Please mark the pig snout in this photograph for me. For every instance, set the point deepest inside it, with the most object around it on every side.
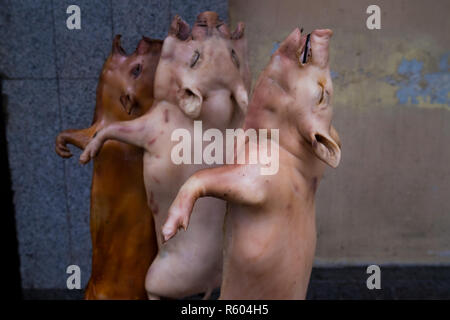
(190, 101)
(128, 102)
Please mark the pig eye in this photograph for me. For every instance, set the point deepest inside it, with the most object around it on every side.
(195, 58)
(136, 71)
(322, 93)
(235, 58)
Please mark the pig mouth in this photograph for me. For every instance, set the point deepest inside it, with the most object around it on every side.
(132, 108)
(307, 45)
(306, 54)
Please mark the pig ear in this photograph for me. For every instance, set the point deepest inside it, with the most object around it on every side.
(144, 45)
(241, 96)
(291, 45)
(190, 102)
(116, 47)
(326, 148)
(320, 40)
(240, 46)
(239, 32)
(179, 28)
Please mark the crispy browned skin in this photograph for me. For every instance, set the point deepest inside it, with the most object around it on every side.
(122, 227)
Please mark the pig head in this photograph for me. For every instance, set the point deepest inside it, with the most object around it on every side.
(205, 70)
(124, 91)
(127, 80)
(294, 94)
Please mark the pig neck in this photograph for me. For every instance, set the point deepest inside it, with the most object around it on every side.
(102, 105)
(299, 150)
(102, 116)
(99, 104)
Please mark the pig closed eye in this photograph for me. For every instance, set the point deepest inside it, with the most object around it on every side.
(195, 58)
(322, 93)
(235, 58)
(136, 71)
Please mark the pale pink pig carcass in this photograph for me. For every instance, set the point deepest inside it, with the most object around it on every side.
(270, 233)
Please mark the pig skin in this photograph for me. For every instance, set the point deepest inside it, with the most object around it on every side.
(270, 233)
(122, 227)
(202, 75)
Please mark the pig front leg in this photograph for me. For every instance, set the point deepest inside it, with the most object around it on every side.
(232, 183)
(131, 132)
(77, 137)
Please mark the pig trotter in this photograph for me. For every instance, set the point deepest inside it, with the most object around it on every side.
(78, 138)
(91, 150)
(181, 208)
(203, 184)
(61, 146)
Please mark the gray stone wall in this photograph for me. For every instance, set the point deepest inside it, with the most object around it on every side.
(49, 76)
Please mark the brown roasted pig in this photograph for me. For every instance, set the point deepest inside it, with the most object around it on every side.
(122, 227)
(270, 232)
(202, 75)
